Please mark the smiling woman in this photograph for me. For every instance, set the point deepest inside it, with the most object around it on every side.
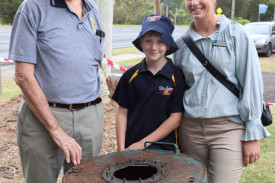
(229, 128)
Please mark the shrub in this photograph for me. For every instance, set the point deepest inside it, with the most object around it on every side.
(240, 20)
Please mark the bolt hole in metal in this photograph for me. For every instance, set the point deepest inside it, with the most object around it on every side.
(135, 172)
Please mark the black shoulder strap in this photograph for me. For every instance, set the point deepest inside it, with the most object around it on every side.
(205, 62)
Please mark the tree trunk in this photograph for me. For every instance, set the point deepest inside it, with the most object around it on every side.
(233, 10)
(157, 7)
(106, 13)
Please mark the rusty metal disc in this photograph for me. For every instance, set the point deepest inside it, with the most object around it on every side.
(138, 166)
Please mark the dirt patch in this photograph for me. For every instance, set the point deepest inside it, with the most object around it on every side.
(9, 159)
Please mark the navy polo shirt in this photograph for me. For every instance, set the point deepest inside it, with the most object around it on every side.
(150, 99)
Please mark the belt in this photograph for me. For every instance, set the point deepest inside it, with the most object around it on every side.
(72, 107)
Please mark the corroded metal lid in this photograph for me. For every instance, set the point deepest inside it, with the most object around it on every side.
(138, 166)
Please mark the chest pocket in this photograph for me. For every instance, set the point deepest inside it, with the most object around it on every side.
(98, 39)
(98, 47)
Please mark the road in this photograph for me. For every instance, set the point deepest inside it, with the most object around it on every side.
(4, 41)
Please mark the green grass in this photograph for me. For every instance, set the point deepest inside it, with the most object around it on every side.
(4, 25)
(9, 89)
(267, 64)
(124, 50)
(130, 62)
(263, 171)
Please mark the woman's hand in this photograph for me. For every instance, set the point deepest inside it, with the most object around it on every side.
(251, 151)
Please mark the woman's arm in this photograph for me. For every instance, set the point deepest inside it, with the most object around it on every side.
(248, 73)
(121, 124)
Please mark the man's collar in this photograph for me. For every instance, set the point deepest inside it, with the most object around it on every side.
(63, 4)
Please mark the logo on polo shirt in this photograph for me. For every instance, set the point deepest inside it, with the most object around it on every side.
(165, 90)
(93, 23)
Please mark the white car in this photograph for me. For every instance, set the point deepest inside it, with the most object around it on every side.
(263, 35)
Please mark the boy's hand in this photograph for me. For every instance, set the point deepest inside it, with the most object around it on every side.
(121, 149)
(135, 146)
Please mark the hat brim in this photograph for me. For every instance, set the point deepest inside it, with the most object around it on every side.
(168, 39)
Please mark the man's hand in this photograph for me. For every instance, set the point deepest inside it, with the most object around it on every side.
(251, 151)
(68, 145)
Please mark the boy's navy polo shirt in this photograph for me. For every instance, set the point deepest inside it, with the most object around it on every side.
(150, 99)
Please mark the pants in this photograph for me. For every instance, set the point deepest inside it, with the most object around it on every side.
(41, 158)
(216, 143)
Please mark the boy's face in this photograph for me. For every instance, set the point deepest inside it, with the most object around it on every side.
(153, 47)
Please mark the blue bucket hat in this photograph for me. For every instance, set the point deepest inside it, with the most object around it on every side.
(161, 24)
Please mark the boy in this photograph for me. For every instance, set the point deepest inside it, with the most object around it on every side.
(150, 93)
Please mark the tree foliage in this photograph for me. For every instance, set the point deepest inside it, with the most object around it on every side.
(133, 11)
(8, 9)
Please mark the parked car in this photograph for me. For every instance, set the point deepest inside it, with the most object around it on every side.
(263, 35)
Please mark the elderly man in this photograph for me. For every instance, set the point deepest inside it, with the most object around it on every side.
(57, 46)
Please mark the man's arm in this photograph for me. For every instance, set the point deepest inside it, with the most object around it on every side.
(37, 102)
(121, 124)
(162, 131)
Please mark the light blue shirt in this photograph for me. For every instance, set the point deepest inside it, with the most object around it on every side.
(66, 50)
(232, 52)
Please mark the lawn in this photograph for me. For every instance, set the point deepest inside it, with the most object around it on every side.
(5, 25)
(9, 89)
(268, 63)
(124, 50)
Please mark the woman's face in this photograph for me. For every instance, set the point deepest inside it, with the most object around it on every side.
(199, 9)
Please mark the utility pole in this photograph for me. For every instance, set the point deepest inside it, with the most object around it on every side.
(0, 82)
(107, 27)
(167, 3)
(157, 7)
(233, 10)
